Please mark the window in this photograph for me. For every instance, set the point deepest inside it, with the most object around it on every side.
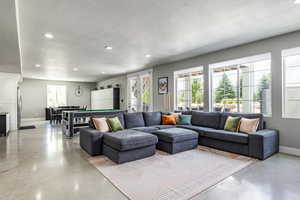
(242, 85)
(56, 95)
(140, 91)
(189, 89)
(291, 83)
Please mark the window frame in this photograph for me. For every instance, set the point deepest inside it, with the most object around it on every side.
(286, 53)
(239, 62)
(186, 71)
(139, 76)
(66, 93)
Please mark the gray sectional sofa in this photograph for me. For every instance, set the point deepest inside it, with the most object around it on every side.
(144, 133)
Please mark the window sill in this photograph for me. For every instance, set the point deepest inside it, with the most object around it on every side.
(290, 117)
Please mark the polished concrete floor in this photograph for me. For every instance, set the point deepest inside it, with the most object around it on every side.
(39, 164)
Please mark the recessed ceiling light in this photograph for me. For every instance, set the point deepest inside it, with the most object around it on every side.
(75, 69)
(147, 55)
(108, 47)
(103, 72)
(37, 65)
(297, 2)
(48, 35)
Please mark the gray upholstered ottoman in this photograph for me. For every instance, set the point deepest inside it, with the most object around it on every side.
(175, 140)
(128, 145)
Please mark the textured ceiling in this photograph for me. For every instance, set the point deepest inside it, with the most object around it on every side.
(167, 29)
(9, 47)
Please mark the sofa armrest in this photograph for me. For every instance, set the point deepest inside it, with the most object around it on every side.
(91, 141)
(263, 143)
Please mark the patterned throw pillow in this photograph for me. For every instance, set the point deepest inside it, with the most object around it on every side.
(176, 115)
(248, 125)
(185, 119)
(232, 124)
(168, 120)
(115, 124)
(101, 124)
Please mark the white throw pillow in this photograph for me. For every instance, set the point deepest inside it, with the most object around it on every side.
(101, 125)
(248, 125)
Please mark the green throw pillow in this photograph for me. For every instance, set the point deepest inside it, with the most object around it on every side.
(115, 124)
(185, 119)
(232, 124)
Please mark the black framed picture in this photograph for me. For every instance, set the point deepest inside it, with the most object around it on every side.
(163, 85)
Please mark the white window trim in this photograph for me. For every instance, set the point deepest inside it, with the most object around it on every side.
(286, 53)
(239, 61)
(56, 85)
(140, 74)
(184, 71)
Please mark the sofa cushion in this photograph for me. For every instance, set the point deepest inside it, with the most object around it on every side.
(199, 129)
(101, 124)
(133, 120)
(185, 119)
(163, 126)
(226, 136)
(248, 125)
(147, 129)
(168, 120)
(119, 115)
(206, 119)
(176, 115)
(115, 124)
(224, 117)
(232, 124)
(174, 135)
(152, 118)
(129, 139)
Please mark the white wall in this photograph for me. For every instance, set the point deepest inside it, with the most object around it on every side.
(8, 96)
(289, 128)
(122, 81)
(34, 95)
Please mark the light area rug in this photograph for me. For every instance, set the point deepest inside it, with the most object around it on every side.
(171, 177)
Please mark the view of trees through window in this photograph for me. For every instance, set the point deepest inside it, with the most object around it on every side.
(189, 89)
(140, 98)
(242, 88)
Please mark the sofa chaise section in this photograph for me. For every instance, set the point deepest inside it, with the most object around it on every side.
(260, 145)
(91, 140)
(128, 145)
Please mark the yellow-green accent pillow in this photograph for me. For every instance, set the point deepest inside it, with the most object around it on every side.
(232, 124)
(115, 124)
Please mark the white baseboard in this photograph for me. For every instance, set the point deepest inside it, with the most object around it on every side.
(33, 119)
(289, 150)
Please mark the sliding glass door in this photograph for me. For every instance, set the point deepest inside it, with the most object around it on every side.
(140, 92)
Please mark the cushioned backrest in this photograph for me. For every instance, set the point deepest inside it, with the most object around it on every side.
(119, 115)
(133, 120)
(152, 118)
(249, 116)
(184, 112)
(206, 119)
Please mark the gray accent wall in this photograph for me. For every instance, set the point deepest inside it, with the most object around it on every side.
(34, 95)
(289, 128)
